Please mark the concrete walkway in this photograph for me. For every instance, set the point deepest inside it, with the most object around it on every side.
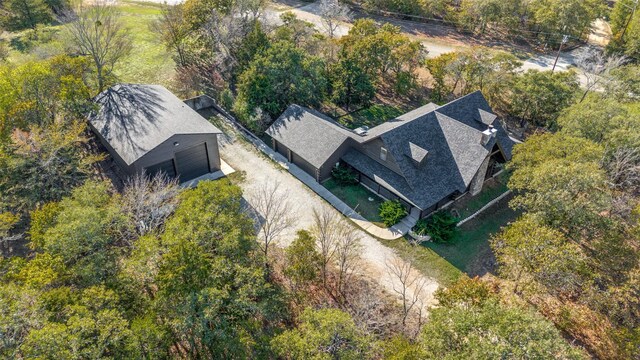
(395, 232)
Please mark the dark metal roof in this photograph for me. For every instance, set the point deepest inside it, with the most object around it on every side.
(135, 119)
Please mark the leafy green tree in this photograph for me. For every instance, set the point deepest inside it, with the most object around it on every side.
(43, 165)
(480, 14)
(17, 299)
(472, 327)
(301, 33)
(24, 14)
(603, 120)
(441, 226)
(382, 52)
(350, 85)
(533, 254)
(174, 32)
(572, 17)
(38, 92)
(631, 41)
(211, 289)
(4, 51)
(440, 69)
(480, 68)
(303, 260)
(94, 327)
(624, 27)
(222, 228)
(323, 334)
(620, 16)
(559, 178)
(81, 233)
(401, 348)
(626, 84)
(283, 75)
(198, 12)
(7, 221)
(256, 42)
(538, 97)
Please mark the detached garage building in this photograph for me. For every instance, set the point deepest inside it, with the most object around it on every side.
(147, 128)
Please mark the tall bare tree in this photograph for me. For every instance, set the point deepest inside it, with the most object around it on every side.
(623, 166)
(99, 33)
(408, 283)
(274, 211)
(174, 31)
(597, 67)
(327, 233)
(148, 201)
(332, 13)
(347, 254)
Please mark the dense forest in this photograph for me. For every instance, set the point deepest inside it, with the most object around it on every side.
(146, 269)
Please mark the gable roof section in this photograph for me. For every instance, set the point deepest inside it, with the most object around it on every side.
(438, 149)
(135, 119)
(308, 133)
(376, 131)
(416, 153)
(469, 108)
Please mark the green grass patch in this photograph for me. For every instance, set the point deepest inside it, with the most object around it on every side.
(426, 260)
(492, 189)
(357, 197)
(27, 45)
(371, 116)
(470, 251)
(149, 62)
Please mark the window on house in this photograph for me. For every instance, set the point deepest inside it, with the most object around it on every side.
(383, 154)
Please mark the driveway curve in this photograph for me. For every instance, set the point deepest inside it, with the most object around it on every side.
(259, 169)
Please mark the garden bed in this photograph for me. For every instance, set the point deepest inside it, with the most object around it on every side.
(357, 197)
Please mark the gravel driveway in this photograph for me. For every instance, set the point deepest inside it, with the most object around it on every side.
(259, 169)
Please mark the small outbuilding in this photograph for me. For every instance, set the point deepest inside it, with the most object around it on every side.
(147, 128)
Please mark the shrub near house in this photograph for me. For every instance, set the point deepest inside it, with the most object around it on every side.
(391, 212)
(441, 226)
(344, 176)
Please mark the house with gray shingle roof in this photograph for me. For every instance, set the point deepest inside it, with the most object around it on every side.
(424, 158)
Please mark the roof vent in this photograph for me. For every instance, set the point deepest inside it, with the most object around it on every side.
(488, 134)
(362, 130)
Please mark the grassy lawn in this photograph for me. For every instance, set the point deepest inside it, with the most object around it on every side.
(26, 45)
(493, 188)
(357, 197)
(371, 116)
(470, 251)
(149, 61)
(429, 262)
